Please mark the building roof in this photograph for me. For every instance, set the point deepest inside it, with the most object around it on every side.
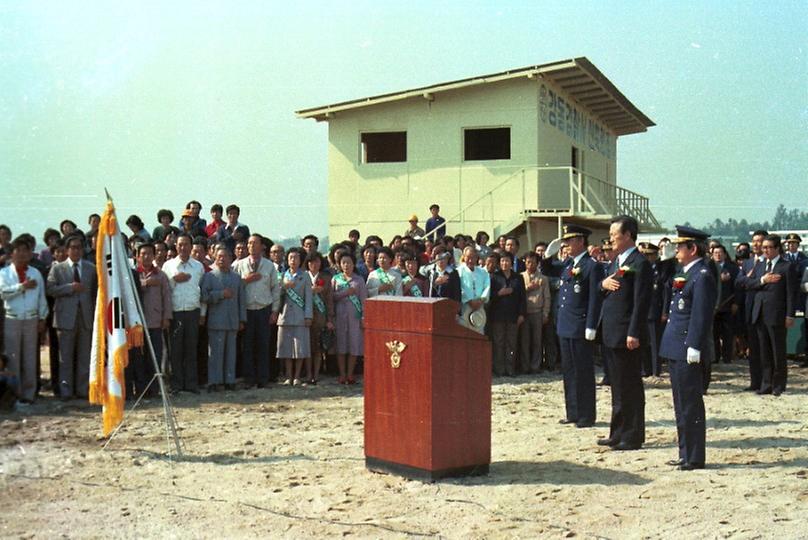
(578, 77)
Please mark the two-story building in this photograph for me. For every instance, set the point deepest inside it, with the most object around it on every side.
(518, 152)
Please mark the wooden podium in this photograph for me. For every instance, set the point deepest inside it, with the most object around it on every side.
(429, 417)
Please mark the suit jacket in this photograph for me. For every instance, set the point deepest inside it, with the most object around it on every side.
(690, 314)
(67, 303)
(744, 282)
(451, 289)
(578, 299)
(774, 301)
(625, 311)
(223, 313)
(804, 287)
(727, 293)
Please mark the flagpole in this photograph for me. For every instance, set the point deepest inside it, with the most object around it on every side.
(168, 410)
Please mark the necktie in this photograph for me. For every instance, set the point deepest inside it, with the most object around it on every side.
(76, 276)
(769, 266)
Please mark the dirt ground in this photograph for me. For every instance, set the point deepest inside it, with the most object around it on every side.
(289, 462)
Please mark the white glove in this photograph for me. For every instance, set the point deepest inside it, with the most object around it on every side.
(805, 286)
(552, 249)
(668, 252)
(590, 334)
(693, 356)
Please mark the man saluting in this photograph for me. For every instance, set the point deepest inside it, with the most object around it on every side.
(577, 320)
(687, 336)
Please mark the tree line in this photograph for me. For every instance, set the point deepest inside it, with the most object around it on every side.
(738, 230)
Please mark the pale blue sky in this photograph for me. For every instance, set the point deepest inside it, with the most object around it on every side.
(162, 102)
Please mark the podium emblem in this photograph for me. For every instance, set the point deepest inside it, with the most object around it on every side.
(396, 348)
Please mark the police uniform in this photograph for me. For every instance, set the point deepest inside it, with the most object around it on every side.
(687, 335)
(661, 272)
(578, 314)
(800, 262)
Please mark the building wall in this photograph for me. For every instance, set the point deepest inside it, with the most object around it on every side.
(378, 198)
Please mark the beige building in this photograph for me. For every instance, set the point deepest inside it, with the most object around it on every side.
(519, 152)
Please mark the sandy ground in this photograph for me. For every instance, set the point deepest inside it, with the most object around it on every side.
(289, 462)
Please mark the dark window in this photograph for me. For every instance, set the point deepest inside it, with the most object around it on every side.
(388, 147)
(487, 143)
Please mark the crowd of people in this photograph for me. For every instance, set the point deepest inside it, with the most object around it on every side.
(227, 308)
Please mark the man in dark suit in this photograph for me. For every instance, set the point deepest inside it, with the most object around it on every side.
(626, 291)
(661, 272)
(687, 335)
(773, 309)
(727, 305)
(577, 318)
(73, 284)
(512, 250)
(745, 281)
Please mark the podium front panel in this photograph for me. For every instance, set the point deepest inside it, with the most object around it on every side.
(430, 416)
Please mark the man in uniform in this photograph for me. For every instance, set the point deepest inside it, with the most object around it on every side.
(687, 335)
(657, 312)
(579, 305)
(800, 262)
(626, 291)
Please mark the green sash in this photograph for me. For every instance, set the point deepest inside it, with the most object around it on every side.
(292, 293)
(414, 290)
(318, 301)
(385, 279)
(343, 283)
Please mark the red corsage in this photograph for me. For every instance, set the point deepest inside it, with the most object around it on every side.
(622, 271)
(320, 282)
(679, 283)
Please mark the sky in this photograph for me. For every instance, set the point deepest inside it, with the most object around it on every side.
(164, 102)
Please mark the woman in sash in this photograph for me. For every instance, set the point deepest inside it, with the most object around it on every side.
(349, 293)
(295, 317)
(412, 284)
(323, 321)
(384, 280)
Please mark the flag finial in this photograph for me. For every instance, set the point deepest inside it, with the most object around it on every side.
(109, 197)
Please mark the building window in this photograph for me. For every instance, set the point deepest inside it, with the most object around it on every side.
(384, 147)
(487, 143)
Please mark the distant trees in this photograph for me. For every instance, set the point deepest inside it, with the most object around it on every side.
(738, 231)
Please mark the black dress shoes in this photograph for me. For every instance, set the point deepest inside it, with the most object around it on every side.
(606, 442)
(764, 391)
(626, 446)
(777, 392)
(584, 423)
(675, 462)
(690, 466)
(751, 389)
(566, 421)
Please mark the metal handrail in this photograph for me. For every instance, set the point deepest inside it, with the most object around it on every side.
(586, 197)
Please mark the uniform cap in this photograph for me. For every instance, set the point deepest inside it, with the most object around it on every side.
(689, 234)
(572, 231)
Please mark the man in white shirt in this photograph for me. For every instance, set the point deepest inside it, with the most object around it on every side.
(23, 293)
(184, 275)
(475, 285)
(263, 303)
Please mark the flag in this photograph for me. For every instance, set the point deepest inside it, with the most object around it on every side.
(117, 326)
